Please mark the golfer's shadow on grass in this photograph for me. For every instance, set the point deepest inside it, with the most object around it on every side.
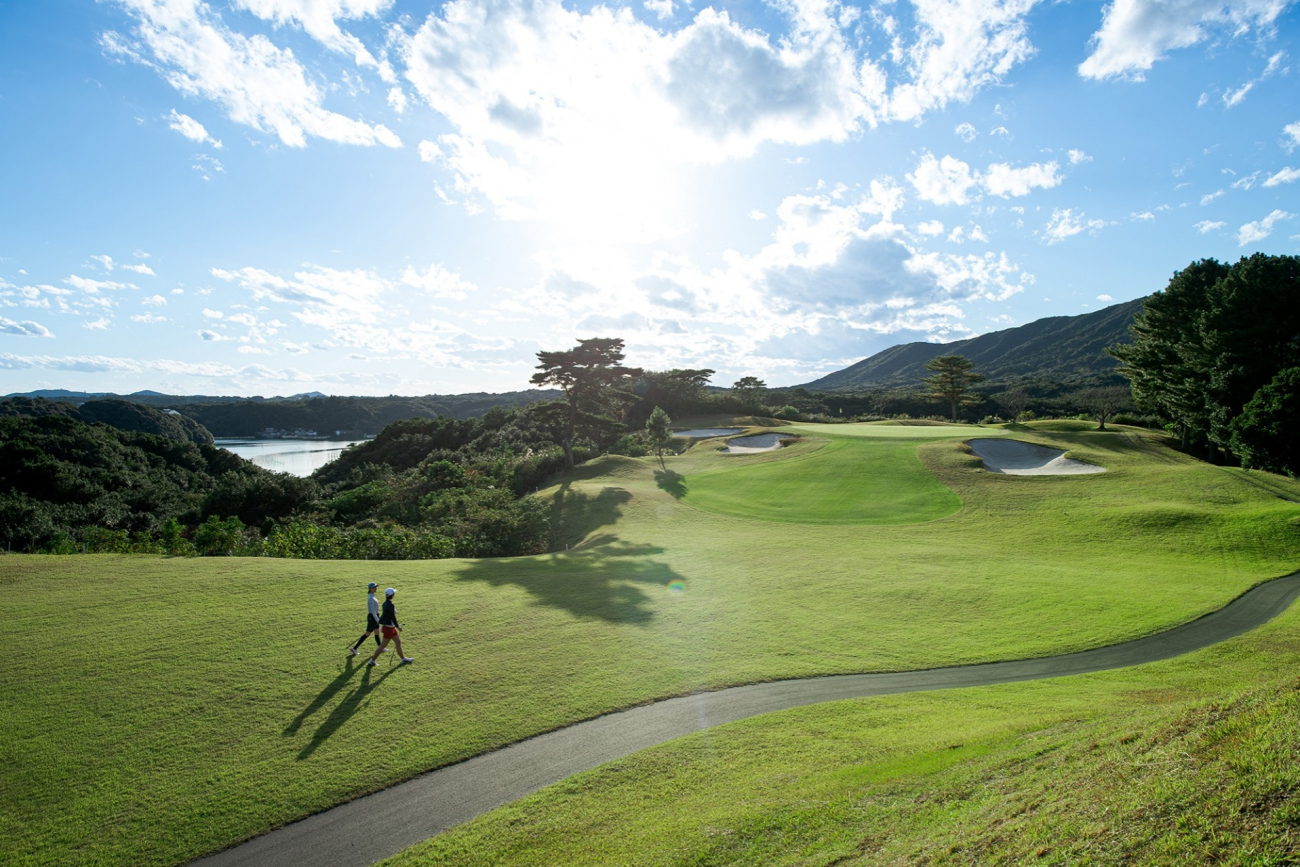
(351, 703)
(606, 579)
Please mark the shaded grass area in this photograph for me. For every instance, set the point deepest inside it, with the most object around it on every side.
(1190, 761)
(155, 710)
(847, 481)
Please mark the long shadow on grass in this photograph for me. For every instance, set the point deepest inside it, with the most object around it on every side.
(351, 703)
(602, 581)
(574, 514)
(331, 689)
(673, 483)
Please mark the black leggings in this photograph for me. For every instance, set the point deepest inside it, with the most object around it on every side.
(372, 625)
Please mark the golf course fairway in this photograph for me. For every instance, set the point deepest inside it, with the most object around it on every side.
(201, 702)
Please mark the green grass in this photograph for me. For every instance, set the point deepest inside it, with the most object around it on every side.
(158, 709)
(901, 430)
(847, 481)
(1191, 761)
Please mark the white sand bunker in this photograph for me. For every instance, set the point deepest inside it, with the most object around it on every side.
(767, 442)
(705, 433)
(1016, 458)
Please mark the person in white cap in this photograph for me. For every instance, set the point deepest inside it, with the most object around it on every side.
(389, 628)
(372, 619)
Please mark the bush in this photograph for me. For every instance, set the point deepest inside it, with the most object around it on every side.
(633, 446)
(304, 540)
(217, 538)
(788, 413)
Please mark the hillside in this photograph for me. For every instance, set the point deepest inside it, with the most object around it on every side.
(1066, 349)
(353, 416)
(121, 414)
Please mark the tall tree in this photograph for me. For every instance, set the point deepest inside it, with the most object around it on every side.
(594, 381)
(1014, 402)
(1267, 433)
(657, 433)
(951, 378)
(749, 390)
(1104, 402)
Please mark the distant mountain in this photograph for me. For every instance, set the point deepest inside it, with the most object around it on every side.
(1060, 349)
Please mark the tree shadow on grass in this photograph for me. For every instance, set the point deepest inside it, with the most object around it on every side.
(603, 580)
(575, 514)
(672, 482)
(352, 702)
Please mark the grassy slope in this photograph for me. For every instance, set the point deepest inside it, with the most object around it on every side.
(199, 702)
(1191, 761)
(847, 481)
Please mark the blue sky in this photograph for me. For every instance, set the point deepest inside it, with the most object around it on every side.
(388, 197)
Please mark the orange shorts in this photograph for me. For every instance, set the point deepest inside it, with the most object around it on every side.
(388, 631)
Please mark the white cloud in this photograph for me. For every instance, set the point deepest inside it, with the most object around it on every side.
(943, 182)
(209, 335)
(86, 284)
(1292, 131)
(438, 282)
(1245, 183)
(932, 227)
(319, 19)
(1003, 180)
(1105, 298)
(1210, 197)
(1145, 215)
(966, 132)
(1285, 176)
(256, 83)
(565, 115)
(191, 129)
(661, 8)
(1064, 224)
(1135, 34)
(1205, 227)
(1078, 156)
(756, 214)
(1260, 229)
(139, 269)
(154, 301)
(209, 313)
(148, 318)
(397, 100)
(948, 181)
(100, 324)
(26, 328)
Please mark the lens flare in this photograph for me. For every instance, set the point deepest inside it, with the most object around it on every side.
(677, 587)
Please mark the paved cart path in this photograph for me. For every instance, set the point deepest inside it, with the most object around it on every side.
(377, 826)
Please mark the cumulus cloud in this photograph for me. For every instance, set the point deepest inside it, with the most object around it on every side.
(1135, 34)
(1205, 227)
(26, 328)
(1078, 156)
(1285, 176)
(100, 324)
(148, 318)
(256, 83)
(930, 227)
(1292, 131)
(949, 181)
(966, 132)
(191, 129)
(438, 282)
(91, 286)
(1145, 216)
(1260, 229)
(567, 115)
(1065, 224)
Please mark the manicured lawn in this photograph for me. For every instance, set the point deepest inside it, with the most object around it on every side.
(1191, 761)
(900, 430)
(156, 709)
(846, 481)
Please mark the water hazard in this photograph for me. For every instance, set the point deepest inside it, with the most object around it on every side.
(298, 457)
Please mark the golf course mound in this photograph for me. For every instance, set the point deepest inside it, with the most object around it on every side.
(707, 433)
(1017, 458)
(766, 442)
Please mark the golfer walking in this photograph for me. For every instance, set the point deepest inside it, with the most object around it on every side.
(372, 619)
(389, 629)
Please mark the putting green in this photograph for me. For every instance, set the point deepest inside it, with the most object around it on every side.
(888, 430)
(846, 481)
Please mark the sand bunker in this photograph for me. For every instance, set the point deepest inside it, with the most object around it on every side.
(705, 433)
(768, 442)
(1016, 458)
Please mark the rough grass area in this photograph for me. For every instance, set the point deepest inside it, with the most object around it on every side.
(156, 709)
(848, 481)
(1193, 761)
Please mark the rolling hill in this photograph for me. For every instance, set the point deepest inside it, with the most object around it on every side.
(1065, 349)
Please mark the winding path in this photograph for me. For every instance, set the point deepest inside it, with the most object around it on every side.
(377, 826)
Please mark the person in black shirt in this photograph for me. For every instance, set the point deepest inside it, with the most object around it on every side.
(390, 629)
